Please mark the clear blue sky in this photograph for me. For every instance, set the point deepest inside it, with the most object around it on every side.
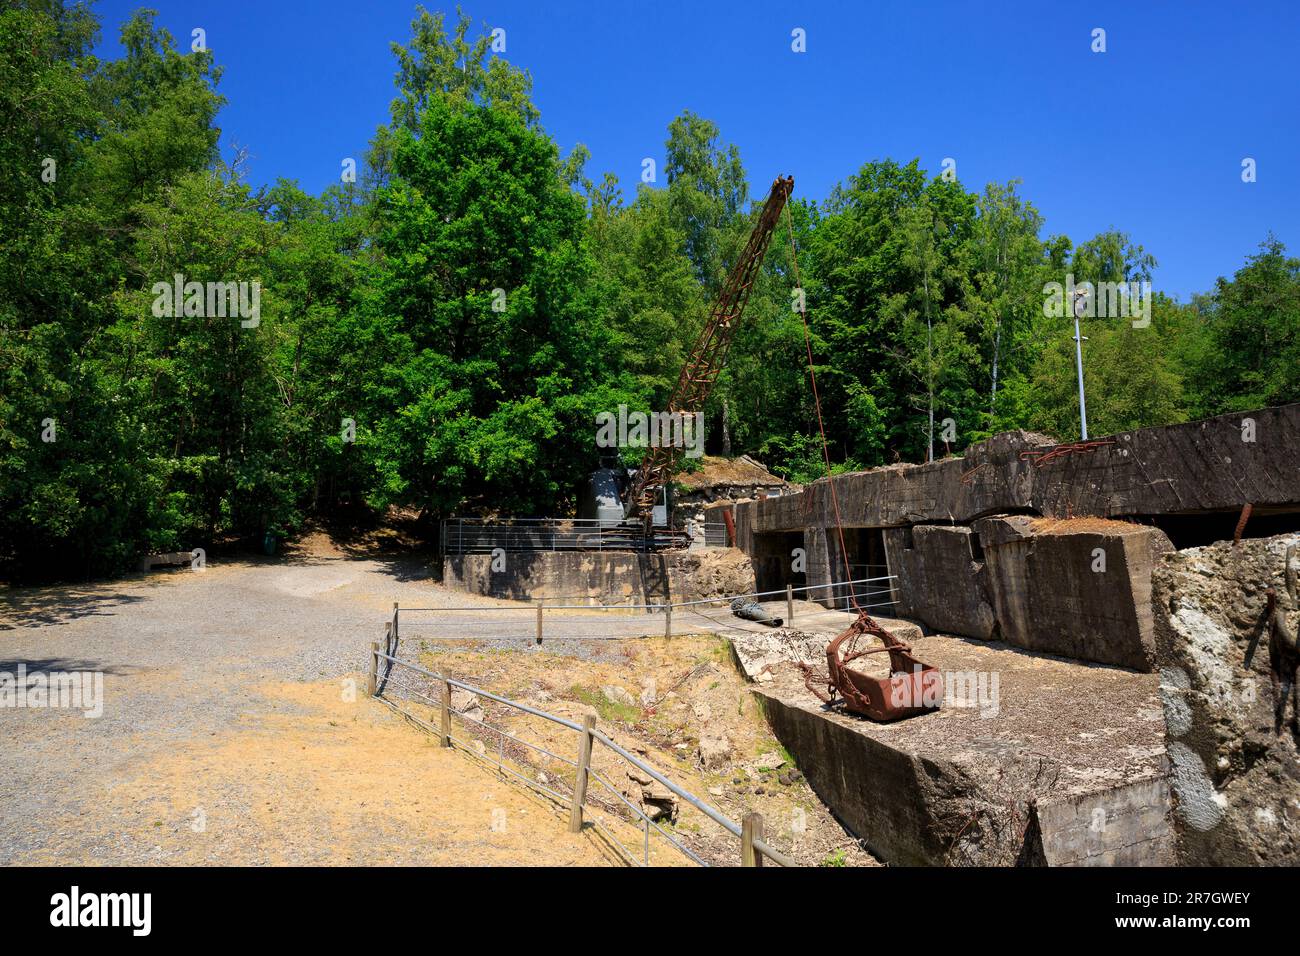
(1148, 136)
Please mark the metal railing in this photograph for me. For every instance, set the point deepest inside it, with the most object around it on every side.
(435, 690)
(871, 596)
(479, 536)
(871, 593)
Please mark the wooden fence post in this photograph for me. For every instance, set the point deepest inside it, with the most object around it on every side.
(372, 682)
(751, 829)
(395, 619)
(446, 715)
(580, 782)
(668, 620)
(539, 621)
(789, 604)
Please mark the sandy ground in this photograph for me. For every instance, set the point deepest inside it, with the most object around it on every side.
(311, 777)
(225, 736)
(659, 698)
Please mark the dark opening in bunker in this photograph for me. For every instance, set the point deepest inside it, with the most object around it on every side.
(864, 559)
(779, 560)
(1198, 530)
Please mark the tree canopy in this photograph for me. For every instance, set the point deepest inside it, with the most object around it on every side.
(440, 333)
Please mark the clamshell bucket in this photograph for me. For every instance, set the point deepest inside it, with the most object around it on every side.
(911, 687)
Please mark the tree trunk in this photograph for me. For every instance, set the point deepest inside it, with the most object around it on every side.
(726, 429)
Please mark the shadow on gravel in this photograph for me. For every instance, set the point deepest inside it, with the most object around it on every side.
(407, 568)
(44, 665)
(41, 607)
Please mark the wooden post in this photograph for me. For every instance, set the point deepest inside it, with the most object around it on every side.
(372, 682)
(668, 620)
(539, 621)
(446, 715)
(789, 604)
(580, 782)
(751, 829)
(394, 625)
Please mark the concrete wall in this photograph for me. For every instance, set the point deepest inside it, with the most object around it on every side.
(1235, 765)
(610, 577)
(940, 582)
(1175, 469)
(911, 809)
(1124, 826)
(1078, 593)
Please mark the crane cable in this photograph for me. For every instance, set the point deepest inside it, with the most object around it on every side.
(817, 403)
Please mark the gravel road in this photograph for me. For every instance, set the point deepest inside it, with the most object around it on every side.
(223, 696)
(187, 658)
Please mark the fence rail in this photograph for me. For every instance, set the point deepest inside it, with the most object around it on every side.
(479, 536)
(753, 848)
(870, 593)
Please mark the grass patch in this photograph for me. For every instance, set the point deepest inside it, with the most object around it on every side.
(605, 708)
(835, 858)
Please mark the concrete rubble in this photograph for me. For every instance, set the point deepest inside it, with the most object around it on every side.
(1235, 772)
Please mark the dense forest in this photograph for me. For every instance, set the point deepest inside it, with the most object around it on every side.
(439, 330)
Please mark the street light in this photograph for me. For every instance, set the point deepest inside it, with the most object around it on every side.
(1080, 300)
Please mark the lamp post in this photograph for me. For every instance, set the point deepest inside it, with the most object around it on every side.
(1080, 302)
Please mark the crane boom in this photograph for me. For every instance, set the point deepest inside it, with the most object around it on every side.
(709, 356)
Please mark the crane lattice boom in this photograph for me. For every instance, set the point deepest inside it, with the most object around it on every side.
(709, 356)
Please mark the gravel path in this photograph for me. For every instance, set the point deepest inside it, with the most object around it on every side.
(187, 659)
(207, 679)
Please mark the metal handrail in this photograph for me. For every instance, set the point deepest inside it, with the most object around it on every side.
(460, 536)
(725, 822)
(656, 607)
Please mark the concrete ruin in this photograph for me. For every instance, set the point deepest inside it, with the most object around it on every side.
(606, 577)
(1095, 590)
(1077, 573)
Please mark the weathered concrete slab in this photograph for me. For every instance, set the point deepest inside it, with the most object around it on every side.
(1078, 588)
(1173, 469)
(1109, 828)
(940, 582)
(609, 577)
(805, 641)
(166, 559)
(955, 787)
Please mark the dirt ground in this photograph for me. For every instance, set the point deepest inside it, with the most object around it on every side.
(314, 762)
(677, 703)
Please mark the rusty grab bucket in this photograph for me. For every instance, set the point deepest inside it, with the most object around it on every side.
(911, 687)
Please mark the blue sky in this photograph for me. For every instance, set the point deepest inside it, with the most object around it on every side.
(1148, 137)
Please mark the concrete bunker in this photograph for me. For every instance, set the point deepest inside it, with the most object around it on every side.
(776, 561)
(862, 558)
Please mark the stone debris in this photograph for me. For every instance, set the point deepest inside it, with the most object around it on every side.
(466, 703)
(769, 761)
(618, 695)
(649, 693)
(714, 751)
(657, 801)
